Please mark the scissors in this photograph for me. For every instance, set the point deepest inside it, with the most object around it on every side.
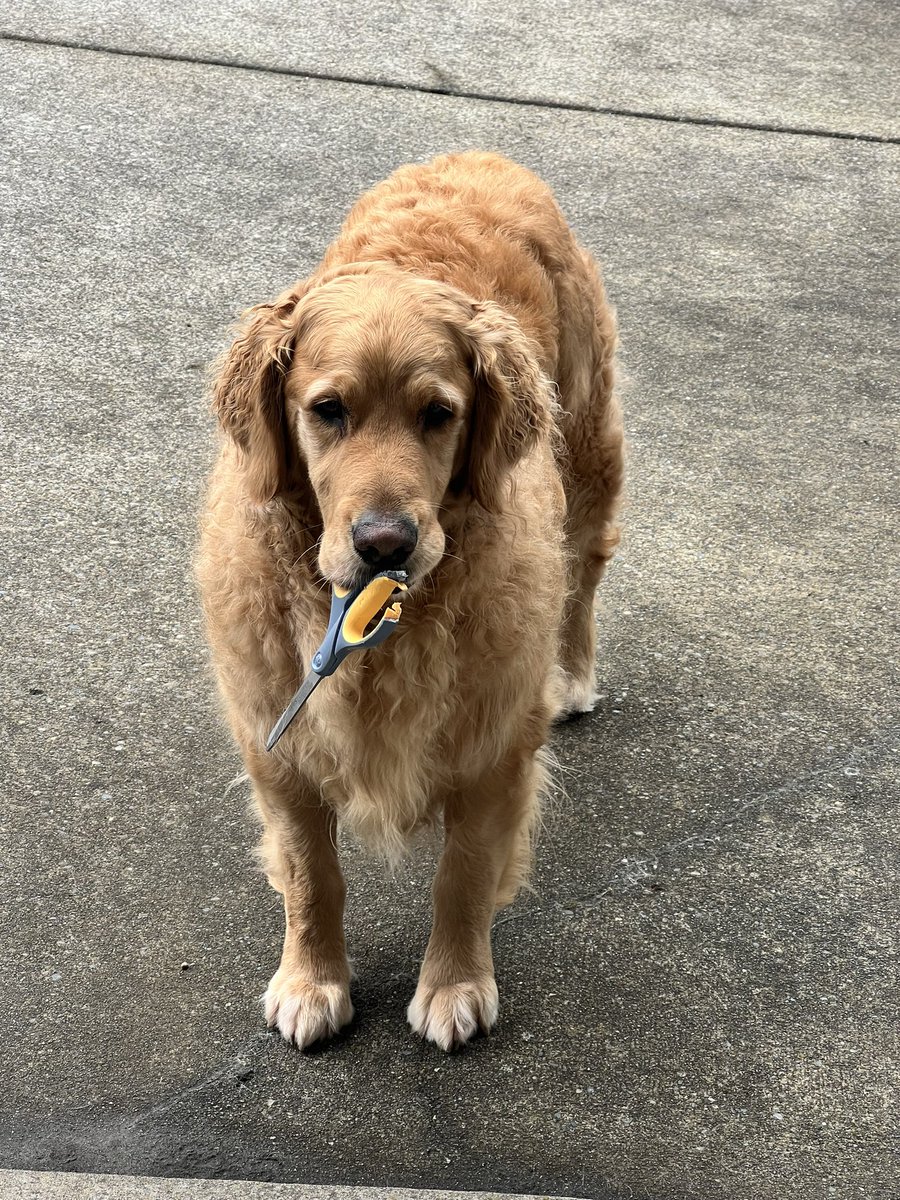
(351, 611)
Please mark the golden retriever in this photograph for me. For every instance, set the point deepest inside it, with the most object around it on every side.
(437, 396)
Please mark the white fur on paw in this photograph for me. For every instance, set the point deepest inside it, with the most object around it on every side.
(306, 1012)
(450, 1015)
(573, 695)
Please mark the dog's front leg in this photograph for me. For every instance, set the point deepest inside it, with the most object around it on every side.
(308, 997)
(485, 828)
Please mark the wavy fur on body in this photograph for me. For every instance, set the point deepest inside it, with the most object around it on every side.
(454, 287)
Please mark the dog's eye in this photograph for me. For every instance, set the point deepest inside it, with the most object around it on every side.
(433, 416)
(332, 412)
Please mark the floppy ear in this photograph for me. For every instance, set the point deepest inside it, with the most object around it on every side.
(248, 394)
(513, 402)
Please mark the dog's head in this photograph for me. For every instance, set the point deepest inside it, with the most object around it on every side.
(384, 398)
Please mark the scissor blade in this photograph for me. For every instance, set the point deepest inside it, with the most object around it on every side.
(303, 693)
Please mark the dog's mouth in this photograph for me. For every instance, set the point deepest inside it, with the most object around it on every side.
(411, 572)
(351, 581)
(342, 567)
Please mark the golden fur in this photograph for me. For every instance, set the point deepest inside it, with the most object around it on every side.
(456, 284)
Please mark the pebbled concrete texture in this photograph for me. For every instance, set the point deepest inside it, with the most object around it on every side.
(49, 1185)
(700, 996)
(820, 64)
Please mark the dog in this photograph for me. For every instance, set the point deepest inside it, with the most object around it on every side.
(439, 397)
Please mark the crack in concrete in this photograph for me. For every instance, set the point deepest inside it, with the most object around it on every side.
(236, 1064)
(634, 872)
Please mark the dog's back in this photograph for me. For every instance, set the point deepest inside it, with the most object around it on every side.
(492, 229)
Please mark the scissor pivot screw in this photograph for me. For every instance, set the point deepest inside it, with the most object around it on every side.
(317, 662)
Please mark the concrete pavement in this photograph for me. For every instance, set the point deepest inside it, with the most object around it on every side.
(699, 999)
(50, 1185)
(816, 65)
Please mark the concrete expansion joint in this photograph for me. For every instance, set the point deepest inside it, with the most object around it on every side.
(446, 89)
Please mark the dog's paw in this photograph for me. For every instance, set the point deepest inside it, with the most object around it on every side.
(450, 1015)
(571, 697)
(306, 1012)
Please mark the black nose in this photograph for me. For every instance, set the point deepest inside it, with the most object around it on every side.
(384, 541)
